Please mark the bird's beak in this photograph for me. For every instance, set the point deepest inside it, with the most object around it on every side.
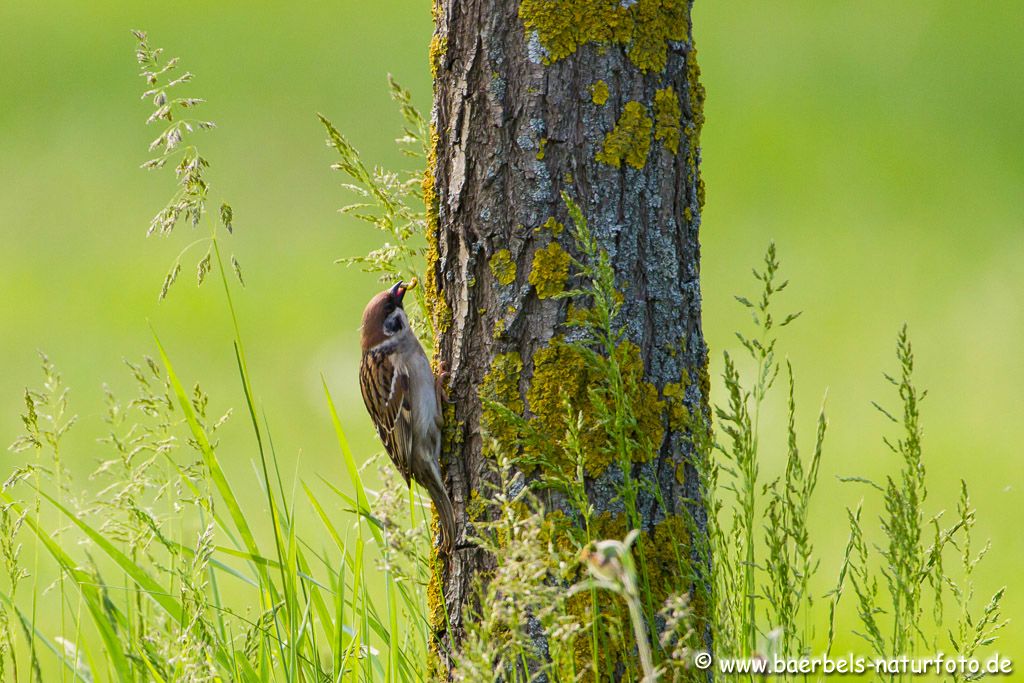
(399, 290)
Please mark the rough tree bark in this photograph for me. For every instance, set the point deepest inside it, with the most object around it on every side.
(599, 99)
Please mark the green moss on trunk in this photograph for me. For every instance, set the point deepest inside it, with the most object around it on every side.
(499, 393)
(643, 28)
(550, 270)
(564, 382)
(503, 267)
(552, 226)
(696, 96)
(630, 140)
(667, 115)
(661, 548)
(437, 306)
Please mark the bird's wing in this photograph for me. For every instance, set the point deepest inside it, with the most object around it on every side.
(386, 394)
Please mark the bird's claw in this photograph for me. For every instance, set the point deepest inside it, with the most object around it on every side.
(441, 381)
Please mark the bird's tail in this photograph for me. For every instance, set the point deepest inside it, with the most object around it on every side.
(445, 511)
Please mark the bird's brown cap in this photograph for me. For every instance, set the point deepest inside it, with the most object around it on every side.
(377, 311)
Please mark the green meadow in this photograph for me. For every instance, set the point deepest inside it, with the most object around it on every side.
(880, 145)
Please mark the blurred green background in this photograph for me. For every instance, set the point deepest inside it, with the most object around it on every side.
(880, 144)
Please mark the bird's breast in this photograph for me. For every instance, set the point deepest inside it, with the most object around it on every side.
(422, 394)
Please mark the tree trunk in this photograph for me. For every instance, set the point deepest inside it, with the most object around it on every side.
(601, 100)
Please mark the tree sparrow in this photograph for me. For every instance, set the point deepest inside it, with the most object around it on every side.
(404, 399)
